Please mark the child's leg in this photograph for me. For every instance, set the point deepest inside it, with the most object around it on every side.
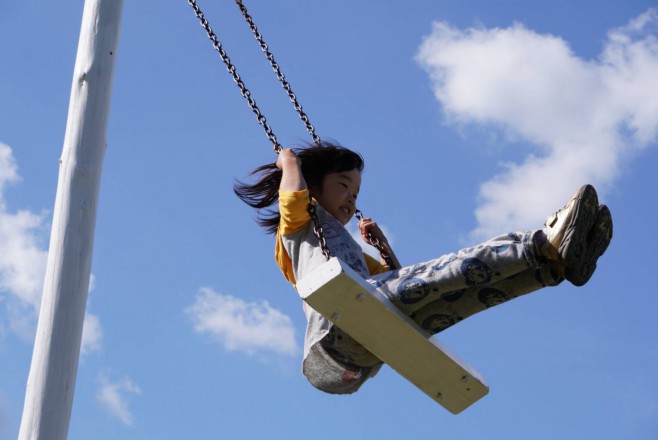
(501, 258)
(570, 245)
(456, 306)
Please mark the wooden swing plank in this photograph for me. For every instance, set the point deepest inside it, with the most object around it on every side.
(340, 294)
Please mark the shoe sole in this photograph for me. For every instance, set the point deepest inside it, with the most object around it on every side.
(573, 248)
(598, 240)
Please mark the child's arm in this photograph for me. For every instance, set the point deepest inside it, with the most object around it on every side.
(369, 229)
(290, 166)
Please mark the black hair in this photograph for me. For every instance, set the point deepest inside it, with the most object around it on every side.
(317, 161)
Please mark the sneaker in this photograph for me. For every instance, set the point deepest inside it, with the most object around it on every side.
(598, 240)
(567, 230)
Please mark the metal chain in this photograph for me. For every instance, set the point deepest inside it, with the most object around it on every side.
(277, 70)
(236, 77)
(317, 226)
(378, 245)
(317, 229)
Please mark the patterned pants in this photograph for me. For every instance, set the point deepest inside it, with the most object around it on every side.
(442, 292)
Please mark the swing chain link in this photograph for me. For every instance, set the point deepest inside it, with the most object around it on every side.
(251, 102)
(317, 229)
(378, 245)
(236, 77)
(279, 74)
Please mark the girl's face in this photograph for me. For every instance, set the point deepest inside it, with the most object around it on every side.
(338, 194)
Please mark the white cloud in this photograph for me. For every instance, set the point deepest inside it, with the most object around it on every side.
(583, 118)
(92, 331)
(8, 167)
(22, 260)
(113, 396)
(92, 334)
(242, 326)
(23, 264)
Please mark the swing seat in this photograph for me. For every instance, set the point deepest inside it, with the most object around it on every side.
(347, 300)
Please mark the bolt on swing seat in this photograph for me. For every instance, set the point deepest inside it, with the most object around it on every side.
(346, 299)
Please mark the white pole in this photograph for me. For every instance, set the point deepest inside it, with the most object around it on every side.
(50, 385)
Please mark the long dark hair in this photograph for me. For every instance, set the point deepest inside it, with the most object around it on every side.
(318, 160)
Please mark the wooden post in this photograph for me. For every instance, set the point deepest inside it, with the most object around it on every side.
(51, 382)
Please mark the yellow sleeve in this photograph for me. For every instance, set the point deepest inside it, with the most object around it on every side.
(374, 266)
(294, 216)
(292, 207)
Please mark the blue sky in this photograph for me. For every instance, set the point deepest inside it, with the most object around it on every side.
(474, 118)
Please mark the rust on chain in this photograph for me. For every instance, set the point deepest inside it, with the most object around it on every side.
(374, 241)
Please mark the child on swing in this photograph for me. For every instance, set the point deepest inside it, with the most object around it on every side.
(435, 294)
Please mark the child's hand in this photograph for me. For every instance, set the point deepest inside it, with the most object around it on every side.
(287, 157)
(290, 165)
(371, 232)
